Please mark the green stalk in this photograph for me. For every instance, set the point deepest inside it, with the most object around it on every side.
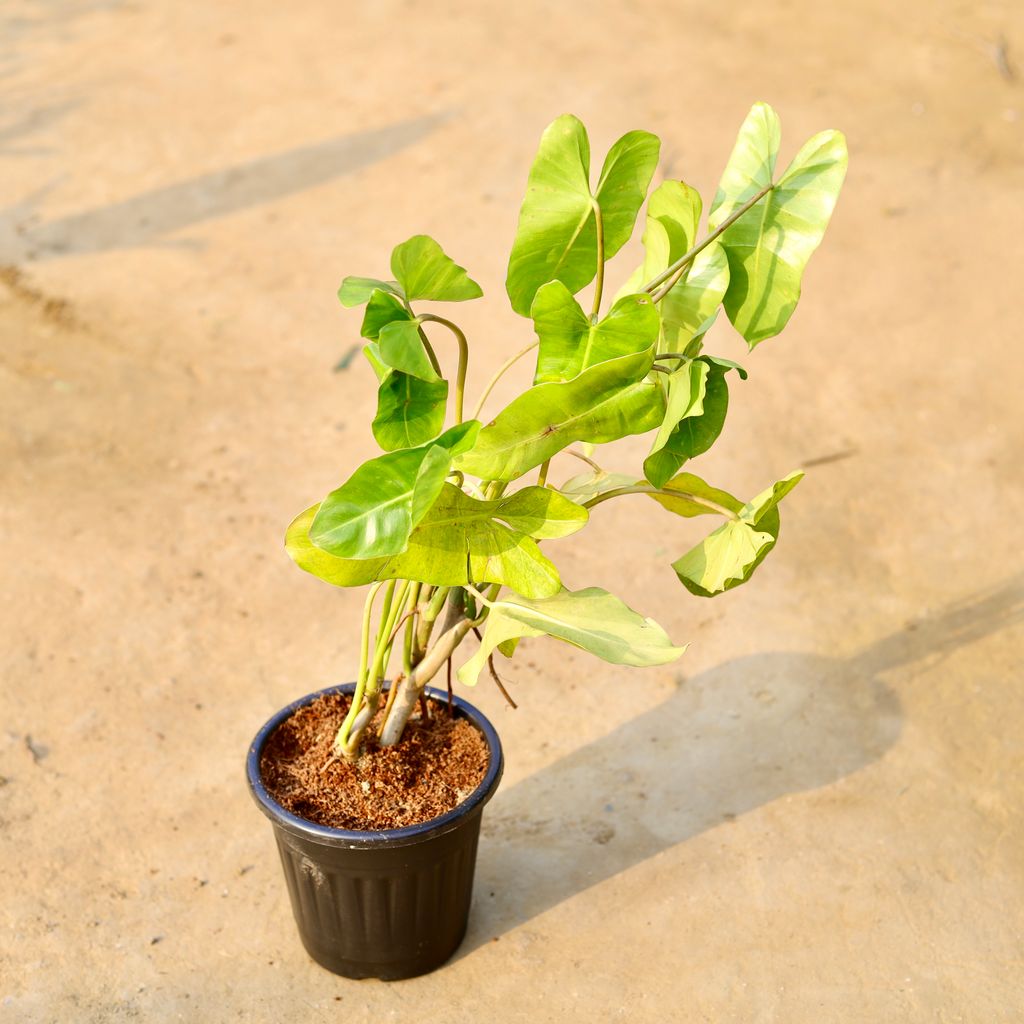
(508, 364)
(712, 506)
(364, 654)
(460, 375)
(393, 602)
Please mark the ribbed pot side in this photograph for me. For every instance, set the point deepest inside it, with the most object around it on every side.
(390, 904)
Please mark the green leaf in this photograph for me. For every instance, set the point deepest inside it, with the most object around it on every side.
(556, 239)
(685, 390)
(410, 411)
(380, 368)
(354, 291)
(729, 556)
(622, 187)
(755, 509)
(695, 431)
(424, 271)
(688, 309)
(401, 348)
(724, 559)
(382, 309)
(375, 510)
(604, 403)
(591, 619)
(459, 541)
(341, 572)
(570, 343)
(673, 214)
(769, 247)
(460, 531)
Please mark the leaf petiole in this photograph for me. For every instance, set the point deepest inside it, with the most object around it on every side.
(643, 489)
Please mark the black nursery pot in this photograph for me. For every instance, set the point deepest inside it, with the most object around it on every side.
(388, 904)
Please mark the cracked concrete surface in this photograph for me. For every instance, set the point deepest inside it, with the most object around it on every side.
(815, 816)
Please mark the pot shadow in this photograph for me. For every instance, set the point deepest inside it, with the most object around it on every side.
(732, 739)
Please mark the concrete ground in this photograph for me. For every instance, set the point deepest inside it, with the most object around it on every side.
(814, 817)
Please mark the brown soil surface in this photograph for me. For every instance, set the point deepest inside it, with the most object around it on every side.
(436, 766)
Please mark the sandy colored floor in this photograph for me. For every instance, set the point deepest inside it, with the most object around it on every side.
(815, 817)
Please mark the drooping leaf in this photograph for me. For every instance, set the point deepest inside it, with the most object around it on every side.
(724, 559)
(460, 540)
(755, 509)
(604, 403)
(382, 309)
(401, 347)
(673, 214)
(556, 239)
(769, 247)
(570, 343)
(354, 291)
(695, 433)
(729, 556)
(591, 619)
(375, 510)
(410, 411)
(424, 271)
(685, 389)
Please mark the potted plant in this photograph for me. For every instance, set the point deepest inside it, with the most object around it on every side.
(376, 789)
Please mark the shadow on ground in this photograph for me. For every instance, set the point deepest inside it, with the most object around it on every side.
(732, 739)
(149, 218)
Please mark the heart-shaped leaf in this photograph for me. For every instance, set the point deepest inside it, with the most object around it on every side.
(571, 343)
(591, 619)
(354, 291)
(769, 247)
(604, 403)
(557, 235)
(382, 309)
(375, 510)
(400, 346)
(410, 411)
(424, 272)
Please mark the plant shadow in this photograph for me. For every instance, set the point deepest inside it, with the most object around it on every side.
(732, 739)
(153, 218)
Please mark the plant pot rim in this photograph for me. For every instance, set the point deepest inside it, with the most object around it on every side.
(380, 838)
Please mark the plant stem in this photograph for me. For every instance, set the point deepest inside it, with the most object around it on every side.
(674, 270)
(585, 458)
(542, 477)
(642, 489)
(364, 655)
(501, 371)
(460, 375)
(599, 282)
(393, 603)
(413, 685)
